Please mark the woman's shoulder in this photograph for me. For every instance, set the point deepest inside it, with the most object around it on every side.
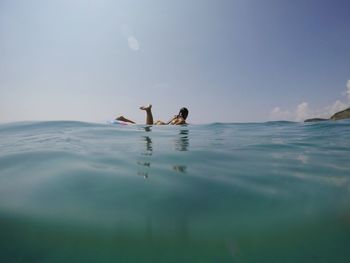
(178, 121)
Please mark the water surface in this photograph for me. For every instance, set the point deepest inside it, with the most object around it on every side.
(256, 192)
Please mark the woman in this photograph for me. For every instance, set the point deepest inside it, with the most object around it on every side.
(176, 120)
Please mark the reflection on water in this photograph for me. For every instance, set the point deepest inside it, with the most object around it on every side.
(148, 152)
(149, 148)
(180, 168)
(148, 164)
(181, 143)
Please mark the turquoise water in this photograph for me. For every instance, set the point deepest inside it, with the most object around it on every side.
(264, 192)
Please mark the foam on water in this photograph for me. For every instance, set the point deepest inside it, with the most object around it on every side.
(256, 192)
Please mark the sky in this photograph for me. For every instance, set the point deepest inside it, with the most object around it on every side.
(225, 60)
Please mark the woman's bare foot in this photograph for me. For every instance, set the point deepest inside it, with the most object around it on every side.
(122, 118)
(149, 116)
(146, 108)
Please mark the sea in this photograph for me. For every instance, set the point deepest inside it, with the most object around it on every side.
(223, 192)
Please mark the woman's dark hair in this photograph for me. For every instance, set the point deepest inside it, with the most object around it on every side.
(183, 113)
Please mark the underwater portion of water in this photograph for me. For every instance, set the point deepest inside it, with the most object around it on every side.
(255, 192)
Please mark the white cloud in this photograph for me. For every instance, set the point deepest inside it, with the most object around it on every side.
(303, 112)
(132, 41)
(278, 114)
(335, 107)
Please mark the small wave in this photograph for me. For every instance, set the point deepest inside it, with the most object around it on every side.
(47, 125)
(279, 122)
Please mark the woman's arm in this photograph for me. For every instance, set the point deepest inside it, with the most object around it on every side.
(174, 118)
(178, 121)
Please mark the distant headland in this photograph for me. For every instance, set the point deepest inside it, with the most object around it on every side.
(344, 114)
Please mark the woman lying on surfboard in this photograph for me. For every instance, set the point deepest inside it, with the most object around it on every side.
(176, 120)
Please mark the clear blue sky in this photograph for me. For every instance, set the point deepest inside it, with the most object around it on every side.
(226, 60)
